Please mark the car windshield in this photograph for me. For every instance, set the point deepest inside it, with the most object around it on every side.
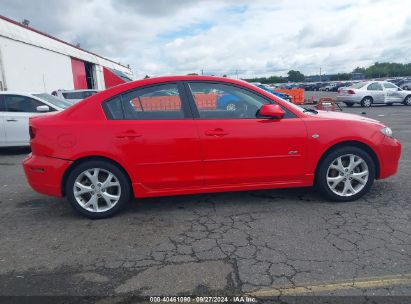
(54, 100)
(358, 85)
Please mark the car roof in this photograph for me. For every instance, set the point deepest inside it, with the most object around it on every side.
(70, 91)
(18, 93)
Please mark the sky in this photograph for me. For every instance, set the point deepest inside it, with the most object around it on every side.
(237, 38)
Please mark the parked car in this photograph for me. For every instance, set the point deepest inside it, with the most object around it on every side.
(272, 91)
(15, 110)
(373, 92)
(74, 96)
(124, 143)
(330, 87)
(313, 86)
(406, 85)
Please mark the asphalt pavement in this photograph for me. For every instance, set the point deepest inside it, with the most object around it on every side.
(269, 243)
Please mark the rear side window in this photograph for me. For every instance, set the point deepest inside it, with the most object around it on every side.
(156, 102)
(113, 108)
(374, 87)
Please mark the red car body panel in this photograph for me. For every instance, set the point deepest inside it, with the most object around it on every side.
(183, 156)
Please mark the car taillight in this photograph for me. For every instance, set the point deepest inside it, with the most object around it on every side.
(32, 132)
(350, 92)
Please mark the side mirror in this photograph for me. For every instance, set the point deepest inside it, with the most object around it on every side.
(43, 109)
(399, 89)
(272, 111)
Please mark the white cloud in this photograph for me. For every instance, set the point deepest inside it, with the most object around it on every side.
(160, 37)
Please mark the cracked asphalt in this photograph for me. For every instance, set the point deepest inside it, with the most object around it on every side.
(212, 244)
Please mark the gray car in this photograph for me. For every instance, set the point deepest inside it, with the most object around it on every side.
(373, 92)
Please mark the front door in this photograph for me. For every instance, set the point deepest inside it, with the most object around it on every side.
(377, 92)
(392, 93)
(238, 147)
(157, 137)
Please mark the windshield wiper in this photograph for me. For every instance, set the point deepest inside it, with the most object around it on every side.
(311, 111)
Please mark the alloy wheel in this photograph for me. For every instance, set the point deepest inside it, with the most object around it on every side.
(347, 175)
(231, 107)
(97, 190)
(408, 101)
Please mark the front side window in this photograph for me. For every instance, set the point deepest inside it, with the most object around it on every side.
(156, 102)
(388, 85)
(16, 103)
(223, 101)
(374, 87)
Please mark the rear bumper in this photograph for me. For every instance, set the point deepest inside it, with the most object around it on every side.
(348, 98)
(389, 154)
(45, 174)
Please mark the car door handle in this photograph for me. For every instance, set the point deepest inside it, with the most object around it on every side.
(128, 134)
(11, 120)
(216, 132)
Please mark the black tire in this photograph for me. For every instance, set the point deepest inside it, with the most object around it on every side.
(107, 166)
(322, 171)
(407, 100)
(390, 104)
(366, 102)
(349, 104)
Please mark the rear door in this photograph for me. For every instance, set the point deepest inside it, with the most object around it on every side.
(16, 118)
(153, 129)
(392, 93)
(238, 147)
(376, 91)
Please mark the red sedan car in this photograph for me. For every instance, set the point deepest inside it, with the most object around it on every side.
(168, 136)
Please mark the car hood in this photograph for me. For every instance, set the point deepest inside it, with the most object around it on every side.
(345, 116)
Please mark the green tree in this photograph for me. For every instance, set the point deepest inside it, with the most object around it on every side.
(295, 76)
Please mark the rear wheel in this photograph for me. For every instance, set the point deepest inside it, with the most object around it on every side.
(407, 100)
(349, 104)
(345, 174)
(366, 102)
(390, 104)
(97, 189)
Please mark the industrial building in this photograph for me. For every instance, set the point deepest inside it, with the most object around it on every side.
(35, 62)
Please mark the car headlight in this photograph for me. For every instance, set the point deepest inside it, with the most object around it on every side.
(386, 131)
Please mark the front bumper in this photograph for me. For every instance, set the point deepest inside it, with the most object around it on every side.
(389, 155)
(45, 174)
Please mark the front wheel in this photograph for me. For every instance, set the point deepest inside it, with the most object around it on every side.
(345, 174)
(97, 189)
(407, 100)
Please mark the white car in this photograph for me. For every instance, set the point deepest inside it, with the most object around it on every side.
(368, 93)
(15, 110)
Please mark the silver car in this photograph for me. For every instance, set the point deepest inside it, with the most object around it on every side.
(373, 92)
(73, 96)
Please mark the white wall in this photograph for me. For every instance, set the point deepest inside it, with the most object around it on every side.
(23, 34)
(32, 69)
